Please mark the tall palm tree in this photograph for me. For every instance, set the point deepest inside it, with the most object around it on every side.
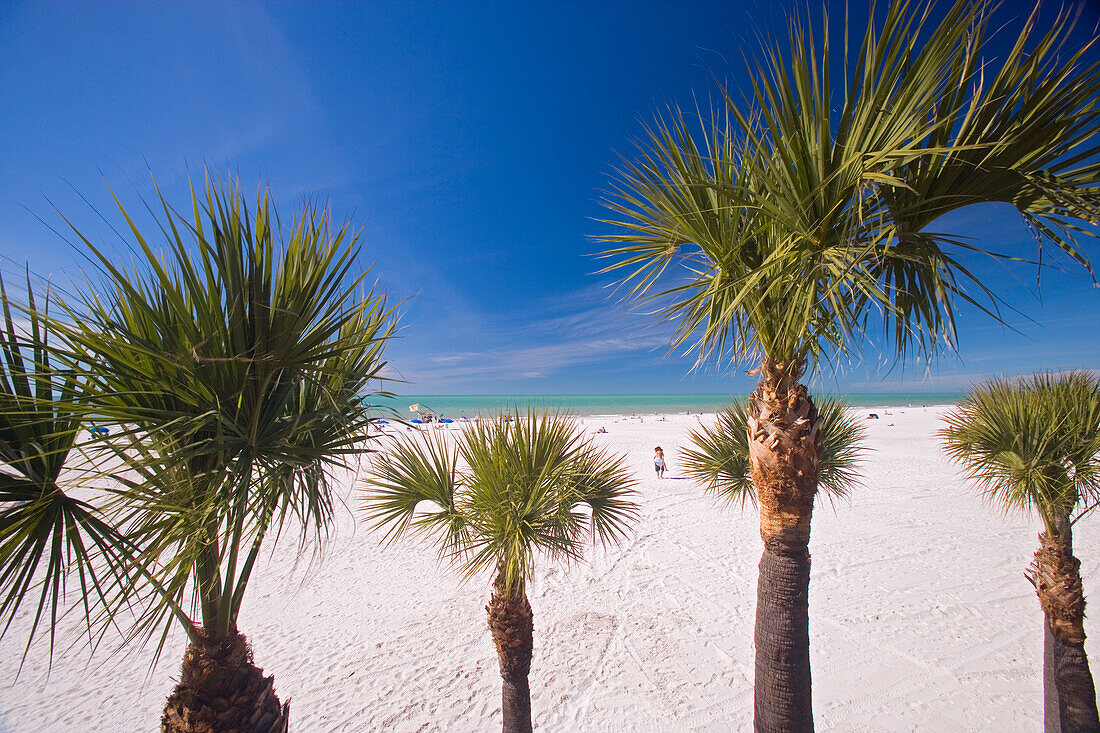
(515, 493)
(234, 359)
(1034, 445)
(768, 236)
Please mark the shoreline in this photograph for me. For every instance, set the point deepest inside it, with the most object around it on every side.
(456, 406)
(618, 416)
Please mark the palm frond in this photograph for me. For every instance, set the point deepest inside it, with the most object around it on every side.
(1023, 135)
(48, 537)
(841, 450)
(604, 483)
(408, 474)
(719, 456)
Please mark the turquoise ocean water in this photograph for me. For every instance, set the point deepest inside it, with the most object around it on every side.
(624, 404)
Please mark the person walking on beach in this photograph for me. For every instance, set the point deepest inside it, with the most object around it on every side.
(659, 462)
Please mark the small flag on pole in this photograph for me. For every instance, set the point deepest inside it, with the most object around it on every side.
(414, 408)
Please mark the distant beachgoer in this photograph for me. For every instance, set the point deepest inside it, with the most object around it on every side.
(659, 462)
(602, 430)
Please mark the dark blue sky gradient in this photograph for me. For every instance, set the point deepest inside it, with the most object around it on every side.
(470, 141)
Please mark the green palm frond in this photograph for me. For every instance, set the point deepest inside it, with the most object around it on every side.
(405, 476)
(840, 447)
(506, 491)
(48, 537)
(1031, 444)
(719, 455)
(166, 511)
(603, 483)
(328, 415)
(1024, 135)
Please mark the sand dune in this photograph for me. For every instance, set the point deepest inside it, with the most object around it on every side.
(920, 618)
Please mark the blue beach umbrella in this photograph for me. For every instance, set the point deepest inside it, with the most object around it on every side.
(418, 422)
(383, 422)
(446, 419)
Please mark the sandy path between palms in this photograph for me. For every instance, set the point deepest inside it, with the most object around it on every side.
(921, 618)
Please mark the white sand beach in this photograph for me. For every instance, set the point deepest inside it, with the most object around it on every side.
(920, 617)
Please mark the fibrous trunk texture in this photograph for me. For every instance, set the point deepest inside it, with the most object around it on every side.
(1056, 575)
(512, 625)
(783, 449)
(222, 691)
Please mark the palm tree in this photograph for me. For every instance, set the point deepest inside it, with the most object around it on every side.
(719, 457)
(234, 361)
(785, 218)
(1034, 445)
(516, 493)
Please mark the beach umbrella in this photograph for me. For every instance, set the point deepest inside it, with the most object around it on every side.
(418, 422)
(414, 408)
(383, 422)
(446, 419)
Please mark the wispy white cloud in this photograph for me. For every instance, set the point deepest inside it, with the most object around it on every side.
(566, 331)
(526, 362)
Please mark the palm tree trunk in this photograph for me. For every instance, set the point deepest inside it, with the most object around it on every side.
(1056, 575)
(220, 689)
(512, 625)
(1052, 722)
(783, 427)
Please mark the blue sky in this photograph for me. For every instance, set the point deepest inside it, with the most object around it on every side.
(470, 141)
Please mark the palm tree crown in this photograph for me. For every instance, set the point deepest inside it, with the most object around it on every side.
(770, 208)
(779, 225)
(504, 491)
(1032, 444)
(235, 360)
